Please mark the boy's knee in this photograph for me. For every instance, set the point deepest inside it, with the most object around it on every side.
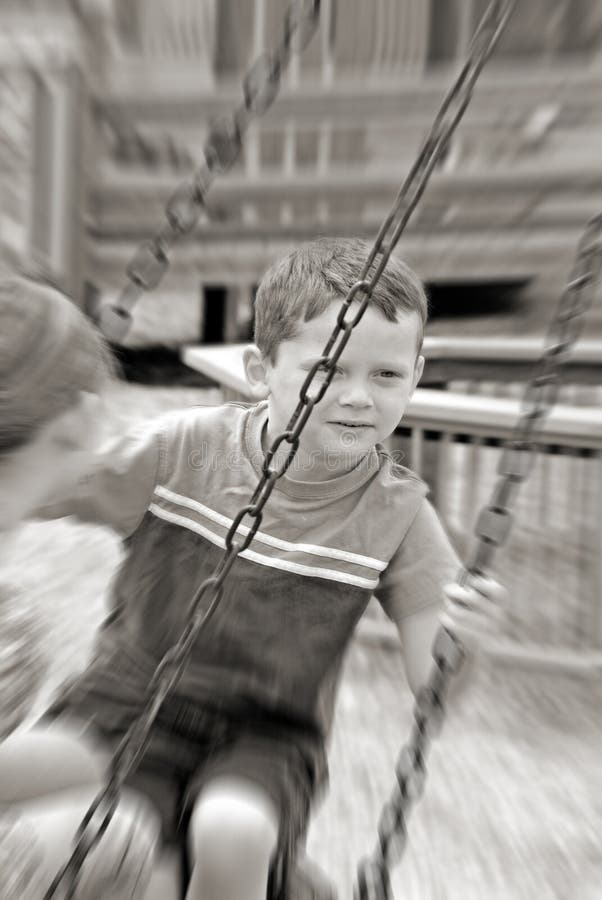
(233, 820)
(120, 865)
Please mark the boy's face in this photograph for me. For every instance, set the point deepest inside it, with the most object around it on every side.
(373, 382)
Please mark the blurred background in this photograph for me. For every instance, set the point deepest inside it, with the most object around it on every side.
(104, 109)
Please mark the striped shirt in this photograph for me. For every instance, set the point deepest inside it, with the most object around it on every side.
(291, 600)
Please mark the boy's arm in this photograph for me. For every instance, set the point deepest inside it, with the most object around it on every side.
(420, 593)
(417, 634)
(411, 590)
(117, 489)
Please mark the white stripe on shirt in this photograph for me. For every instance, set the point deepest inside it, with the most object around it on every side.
(313, 549)
(272, 562)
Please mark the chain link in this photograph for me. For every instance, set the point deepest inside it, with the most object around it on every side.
(222, 147)
(492, 529)
(373, 877)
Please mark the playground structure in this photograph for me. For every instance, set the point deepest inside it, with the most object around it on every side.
(504, 207)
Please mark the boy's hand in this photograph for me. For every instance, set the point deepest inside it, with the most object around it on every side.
(475, 613)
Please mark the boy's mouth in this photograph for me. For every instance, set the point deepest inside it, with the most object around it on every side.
(345, 424)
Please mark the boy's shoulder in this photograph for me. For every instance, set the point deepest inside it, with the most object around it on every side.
(390, 500)
(206, 420)
(392, 474)
(199, 432)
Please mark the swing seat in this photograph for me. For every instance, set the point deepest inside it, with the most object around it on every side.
(120, 866)
(307, 881)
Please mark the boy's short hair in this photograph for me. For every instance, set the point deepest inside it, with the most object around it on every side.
(301, 286)
(49, 352)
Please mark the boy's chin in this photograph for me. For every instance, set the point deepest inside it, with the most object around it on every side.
(350, 446)
(340, 458)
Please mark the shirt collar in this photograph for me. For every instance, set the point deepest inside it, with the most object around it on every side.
(333, 487)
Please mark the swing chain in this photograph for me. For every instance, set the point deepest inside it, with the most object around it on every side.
(136, 739)
(517, 458)
(492, 529)
(448, 117)
(222, 147)
(411, 769)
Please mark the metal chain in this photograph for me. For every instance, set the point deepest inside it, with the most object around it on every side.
(222, 147)
(145, 271)
(492, 530)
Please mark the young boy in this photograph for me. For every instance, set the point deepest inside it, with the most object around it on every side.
(238, 752)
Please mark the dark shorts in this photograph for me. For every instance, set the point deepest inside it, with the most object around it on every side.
(191, 746)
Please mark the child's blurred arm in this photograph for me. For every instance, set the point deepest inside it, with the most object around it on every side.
(117, 489)
(418, 594)
(474, 616)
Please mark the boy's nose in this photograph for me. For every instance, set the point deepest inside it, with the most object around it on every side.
(355, 394)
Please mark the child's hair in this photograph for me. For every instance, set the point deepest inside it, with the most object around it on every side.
(49, 352)
(303, 284)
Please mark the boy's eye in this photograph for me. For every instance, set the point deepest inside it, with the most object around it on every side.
(388, 373)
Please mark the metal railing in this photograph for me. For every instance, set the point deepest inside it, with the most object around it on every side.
(551, 564)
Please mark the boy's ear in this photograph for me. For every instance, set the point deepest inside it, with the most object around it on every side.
(256, 370)
(418, 370)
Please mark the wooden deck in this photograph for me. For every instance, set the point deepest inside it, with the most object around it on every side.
(513, 805)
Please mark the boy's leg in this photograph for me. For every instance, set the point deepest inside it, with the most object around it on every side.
(279, 777)
(48, 778)
(119, 866)
(46, 760)
(233, 835)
